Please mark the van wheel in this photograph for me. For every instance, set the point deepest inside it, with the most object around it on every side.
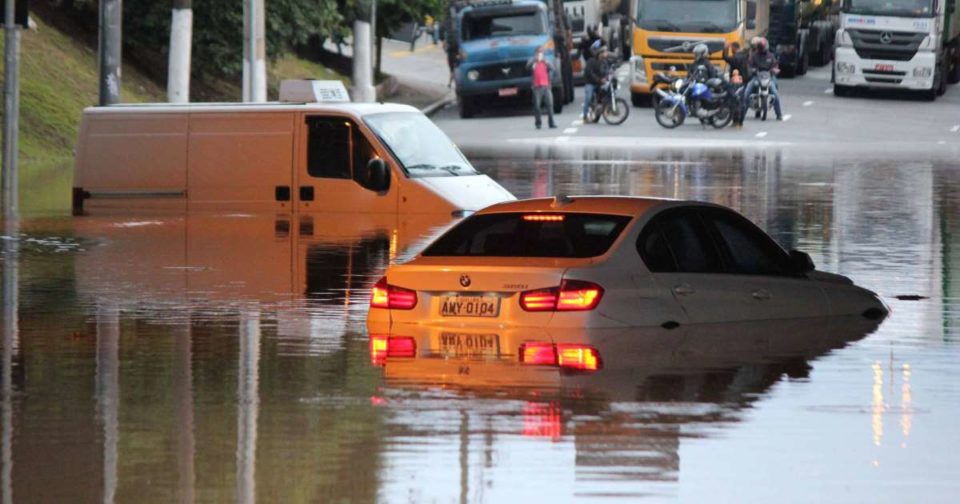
(466, 107)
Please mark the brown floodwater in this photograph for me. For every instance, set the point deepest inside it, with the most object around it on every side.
(153, 357)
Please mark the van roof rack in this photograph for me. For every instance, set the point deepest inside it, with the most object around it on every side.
(313, 91)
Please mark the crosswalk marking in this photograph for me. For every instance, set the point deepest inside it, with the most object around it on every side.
(955, 129)
(569, 131)
(807, 103)
(761, 134)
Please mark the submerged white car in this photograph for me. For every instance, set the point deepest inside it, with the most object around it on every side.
(593, 262)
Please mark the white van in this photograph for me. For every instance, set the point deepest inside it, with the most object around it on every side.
(292, 157)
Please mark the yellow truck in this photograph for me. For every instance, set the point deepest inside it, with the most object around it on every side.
(666, 31)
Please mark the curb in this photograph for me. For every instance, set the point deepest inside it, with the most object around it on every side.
(434, 107)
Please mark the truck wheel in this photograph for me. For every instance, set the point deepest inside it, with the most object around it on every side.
(788, 71)
(803, 62)
(466, 106)
(839, 90)
(953, 76)
(640, 100)
(558, 95)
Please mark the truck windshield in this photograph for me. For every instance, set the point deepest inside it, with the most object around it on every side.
(500, 23)
(906, 8)
(689, 16)
(419, 145)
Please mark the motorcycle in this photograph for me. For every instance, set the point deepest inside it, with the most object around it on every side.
(707, 101)
(761, 99)
(607, 103)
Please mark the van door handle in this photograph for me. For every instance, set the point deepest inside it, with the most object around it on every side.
(282, 193)
(684, 290)
(760, 295)
(306, 193)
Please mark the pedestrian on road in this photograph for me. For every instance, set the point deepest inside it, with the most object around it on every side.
(738, 59)
(542, 71)
(451, 47)
(595, 75)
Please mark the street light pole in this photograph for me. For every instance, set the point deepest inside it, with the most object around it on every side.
(110, 53)
(363, 90)
(254, 52)
(181, 39)
(11, 112)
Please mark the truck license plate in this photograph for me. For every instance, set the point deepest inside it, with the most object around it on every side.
(509, 91)
(469, 306)
(884, 68)
(469, 345)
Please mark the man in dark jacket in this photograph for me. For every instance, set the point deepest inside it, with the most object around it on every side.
(763, 60)
(595, 75)
(738, 59)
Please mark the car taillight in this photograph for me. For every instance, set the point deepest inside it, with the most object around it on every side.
(384, 295)
(572, 295)
(382, 347)
(571, 356)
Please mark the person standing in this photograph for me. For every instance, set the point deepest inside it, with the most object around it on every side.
(542, 71)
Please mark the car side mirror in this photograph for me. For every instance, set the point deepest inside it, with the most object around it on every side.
(800, 262)
(377, 176)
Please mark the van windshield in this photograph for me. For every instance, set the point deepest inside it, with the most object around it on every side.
(419, 145)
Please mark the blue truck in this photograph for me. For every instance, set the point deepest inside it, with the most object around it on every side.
(496, 38)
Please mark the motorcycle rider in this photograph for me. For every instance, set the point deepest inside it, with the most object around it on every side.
(595, 75)
(762, 60)
(702, 69)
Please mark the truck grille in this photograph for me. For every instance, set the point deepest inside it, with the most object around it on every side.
(886, 45)
(683, 45)
(884, 76)
(502, 71)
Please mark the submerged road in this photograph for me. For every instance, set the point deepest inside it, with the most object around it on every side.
(813, 119)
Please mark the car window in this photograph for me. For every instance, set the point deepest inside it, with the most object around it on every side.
(676, 240)
(329, 147)
(746, 249)
(531, 235)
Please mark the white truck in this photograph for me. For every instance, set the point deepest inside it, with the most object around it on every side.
(610, 16)
(897, 44)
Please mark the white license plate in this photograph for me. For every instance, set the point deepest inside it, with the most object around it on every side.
(462, 345)
(509, 91)
(470, 306)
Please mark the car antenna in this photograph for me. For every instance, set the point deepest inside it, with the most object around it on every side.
(560, 200)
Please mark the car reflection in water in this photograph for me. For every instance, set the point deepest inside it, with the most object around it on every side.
(623, 395)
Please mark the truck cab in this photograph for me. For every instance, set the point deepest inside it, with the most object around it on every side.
(497, 39)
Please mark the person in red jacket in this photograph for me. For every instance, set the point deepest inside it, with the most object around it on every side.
(542, 71)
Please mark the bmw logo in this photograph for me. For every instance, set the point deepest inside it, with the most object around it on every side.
(465, 280)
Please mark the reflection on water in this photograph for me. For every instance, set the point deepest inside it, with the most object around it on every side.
(219, 357)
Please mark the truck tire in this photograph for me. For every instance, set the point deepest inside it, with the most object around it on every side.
(803, 60)
(842, 91)
(640, 100)
(466, 106)
(953, 75)
(558, 95)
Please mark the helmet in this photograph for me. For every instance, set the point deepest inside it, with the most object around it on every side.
(700, 51)
(759, 43)
(596, 47)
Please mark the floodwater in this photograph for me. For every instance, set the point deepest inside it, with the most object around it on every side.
(224, 357)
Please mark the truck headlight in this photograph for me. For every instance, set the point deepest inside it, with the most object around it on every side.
(638, 70)
(927, 43)
(844, 39)
(846, 68)
(923, 72)
(473, 75)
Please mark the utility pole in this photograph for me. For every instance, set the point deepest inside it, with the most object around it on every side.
(11, 110)
(254, 52)
(111, 38)
(181, 40)
(363, 90)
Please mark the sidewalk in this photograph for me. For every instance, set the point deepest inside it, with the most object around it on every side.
(419, 78)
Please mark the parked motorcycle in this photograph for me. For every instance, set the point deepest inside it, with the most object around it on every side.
(608, 104)
(761, 99)
(707, 101)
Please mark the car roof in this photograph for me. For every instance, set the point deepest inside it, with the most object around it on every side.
(356, 109)
(615, 205)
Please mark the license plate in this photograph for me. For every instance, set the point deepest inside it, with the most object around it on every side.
(469, 306)
(884, 68)
(509, 91)
(463, 345)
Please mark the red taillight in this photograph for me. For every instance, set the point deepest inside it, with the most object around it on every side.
(384, 295)
(538, 353)
(382, 347)
(572, 295)
(572, 356)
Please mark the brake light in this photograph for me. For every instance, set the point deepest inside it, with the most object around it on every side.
(570, 356)
(543, 218)
(382, 347)
(572, 295)
(384, 295)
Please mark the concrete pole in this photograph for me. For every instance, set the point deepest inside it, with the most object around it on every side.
(363, 90)
(110, 53)
(181, 40)
(254, 52)
(11, 113)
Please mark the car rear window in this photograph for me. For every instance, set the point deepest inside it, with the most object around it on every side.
(531, 235)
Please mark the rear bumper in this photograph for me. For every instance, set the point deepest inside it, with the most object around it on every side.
(852, 70)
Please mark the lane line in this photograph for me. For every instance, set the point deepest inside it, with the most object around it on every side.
(787, 117)
(761, 134)
(942, 142)
(807, 103)
(955, 129)
(828, 90)
(578, 122)
(569, 131)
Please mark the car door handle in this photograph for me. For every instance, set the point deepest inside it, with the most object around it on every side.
(684, 290)
(760, 295)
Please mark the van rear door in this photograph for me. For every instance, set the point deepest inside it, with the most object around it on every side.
(332, 154)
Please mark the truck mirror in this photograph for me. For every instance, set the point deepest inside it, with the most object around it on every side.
(751, 24)
(751, 14)
(378, 175)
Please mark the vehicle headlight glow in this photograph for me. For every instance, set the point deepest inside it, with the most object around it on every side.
(677, 84)
(473, 75)
(923, 72)
(846, 68)
(639, 71)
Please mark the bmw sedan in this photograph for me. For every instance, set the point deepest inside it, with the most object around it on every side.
(590, 262)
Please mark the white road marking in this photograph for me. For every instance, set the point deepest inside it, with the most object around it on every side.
(955, 129)
(942, 142)
(828, 90)
(807, 103)
(578, 122)
(569, 131)
(761, 134)
(787, 117)
(563, 139)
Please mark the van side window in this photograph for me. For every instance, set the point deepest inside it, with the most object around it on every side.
(329, 147)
